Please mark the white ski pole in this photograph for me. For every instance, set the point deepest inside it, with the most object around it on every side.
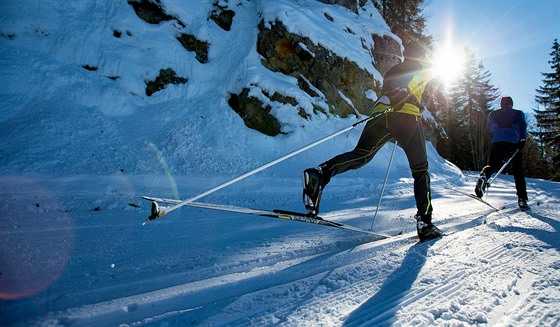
(384, 183)
(157, 212)
(489, 183)
(503, 167)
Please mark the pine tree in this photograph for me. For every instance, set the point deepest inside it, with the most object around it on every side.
(486, 96)
(471, 100)
(533, 164)
(405, 19)
(548, 115)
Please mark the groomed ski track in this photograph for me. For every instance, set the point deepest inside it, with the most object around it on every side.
(342, 278)
(477, 275)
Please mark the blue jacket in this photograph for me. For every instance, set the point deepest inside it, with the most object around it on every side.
(507, 125)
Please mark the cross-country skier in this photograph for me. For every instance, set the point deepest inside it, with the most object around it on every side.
(402, 90)
(509, 131)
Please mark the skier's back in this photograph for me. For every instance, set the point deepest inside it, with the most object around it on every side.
(509, 130)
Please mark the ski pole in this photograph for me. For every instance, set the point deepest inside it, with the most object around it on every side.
(503, 167)
(159, 213)
(384, 183)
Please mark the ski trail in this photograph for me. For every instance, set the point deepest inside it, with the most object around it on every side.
(491, 270)
(449, 291)
(351, 279)
(361, 294)
(502, 315)
(166, 302)
(211, 294)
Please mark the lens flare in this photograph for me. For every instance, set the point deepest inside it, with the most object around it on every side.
(448, 64)
(36, 238)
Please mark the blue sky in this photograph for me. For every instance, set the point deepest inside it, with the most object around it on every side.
(513, 39)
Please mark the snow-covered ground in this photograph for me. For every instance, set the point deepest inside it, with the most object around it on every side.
(78, 149)
(78, 265)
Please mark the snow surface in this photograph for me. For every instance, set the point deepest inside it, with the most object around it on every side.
(77, 149)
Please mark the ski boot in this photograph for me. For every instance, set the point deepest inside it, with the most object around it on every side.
(426, 230)
(154, 213)
(481, 186)
(314, 181)
(523, 206)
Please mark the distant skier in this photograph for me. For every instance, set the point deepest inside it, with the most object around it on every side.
(402, 90)
(509, 130)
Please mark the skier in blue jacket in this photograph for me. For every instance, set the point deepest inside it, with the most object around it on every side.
(509, 131)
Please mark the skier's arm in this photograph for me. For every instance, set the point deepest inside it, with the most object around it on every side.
(490, 123)
(522, 123)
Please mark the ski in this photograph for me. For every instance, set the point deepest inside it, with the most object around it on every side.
(279, 214)
(475, 197)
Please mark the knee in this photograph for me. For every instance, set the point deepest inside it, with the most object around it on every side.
(419, 169)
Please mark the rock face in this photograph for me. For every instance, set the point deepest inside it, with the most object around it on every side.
(298, 57)
(327, 82)
(350, 4)
(320, 72)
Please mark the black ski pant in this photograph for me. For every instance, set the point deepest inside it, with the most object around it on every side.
(500, 152)
(407, 131)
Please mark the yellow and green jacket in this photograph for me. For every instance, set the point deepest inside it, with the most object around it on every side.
(404, 86)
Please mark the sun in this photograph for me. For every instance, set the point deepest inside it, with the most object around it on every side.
(448, 64)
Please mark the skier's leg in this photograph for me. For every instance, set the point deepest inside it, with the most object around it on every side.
(373, 137)
(497, 155)
(520, 184)
(482, 181)
(407, 130)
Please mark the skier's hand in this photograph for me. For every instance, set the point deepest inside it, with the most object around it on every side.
(521, 144)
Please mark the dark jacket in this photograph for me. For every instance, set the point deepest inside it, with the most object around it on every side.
(507, 125)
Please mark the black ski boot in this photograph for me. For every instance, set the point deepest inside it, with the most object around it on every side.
(481, 186)
(314, 181)
(154, 214)
(426, 230)
(523, 206)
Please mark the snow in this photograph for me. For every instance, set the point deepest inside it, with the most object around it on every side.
(78, 149)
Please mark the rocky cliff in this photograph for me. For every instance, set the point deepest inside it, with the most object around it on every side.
(333, 52)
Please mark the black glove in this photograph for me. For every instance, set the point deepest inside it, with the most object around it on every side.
(398, 97)
(521, 144)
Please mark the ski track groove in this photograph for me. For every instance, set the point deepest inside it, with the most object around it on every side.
(347, 287)
(321, 280)
(440, 295)
(155, 300)
(385, 311)
(359, 290)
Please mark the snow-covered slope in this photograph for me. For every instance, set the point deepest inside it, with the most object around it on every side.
(46, 45)
(79, 147)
